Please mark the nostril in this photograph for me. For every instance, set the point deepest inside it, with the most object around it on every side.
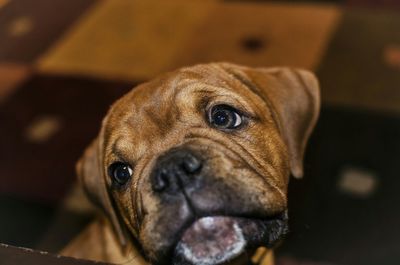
(160, 182)
(175, 170)
(191, 164)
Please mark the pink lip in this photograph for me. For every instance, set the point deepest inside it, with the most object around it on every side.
(212, 240)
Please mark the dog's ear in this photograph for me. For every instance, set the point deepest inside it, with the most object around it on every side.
(91, 175)
(293, 97)
(296, 101)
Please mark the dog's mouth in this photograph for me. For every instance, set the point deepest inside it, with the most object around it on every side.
(212, 240)
(215, 240)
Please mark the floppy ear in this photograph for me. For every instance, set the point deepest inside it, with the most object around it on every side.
(90, 174)
(294, 98)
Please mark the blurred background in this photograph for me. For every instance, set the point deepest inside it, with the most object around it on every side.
(63, 62)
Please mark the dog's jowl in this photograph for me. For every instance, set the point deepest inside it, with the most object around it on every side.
(193, 166)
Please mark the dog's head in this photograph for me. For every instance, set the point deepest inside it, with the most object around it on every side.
(193, 166)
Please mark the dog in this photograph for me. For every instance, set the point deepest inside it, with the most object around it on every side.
(193, 167)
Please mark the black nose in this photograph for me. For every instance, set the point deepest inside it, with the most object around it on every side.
(175, 169)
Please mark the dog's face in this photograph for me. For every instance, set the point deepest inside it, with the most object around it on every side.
(194, 166)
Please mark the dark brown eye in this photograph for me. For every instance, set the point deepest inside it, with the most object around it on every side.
(225, 117)
(120, 173)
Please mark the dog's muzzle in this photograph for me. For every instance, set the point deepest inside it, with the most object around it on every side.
(216, 231)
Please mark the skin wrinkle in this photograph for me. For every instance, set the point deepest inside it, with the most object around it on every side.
(243, 149)
(132, 212)
(217, 91)
(163, 123)
(312, 105)
(127, 221)
(139, 202)
(135, 219)
(132, 221)
(268, 169)
(251, 86)
(117, 216)
(246, 83)
(105, 132)
(140, 175)
(281, 193)
(116, 151)
(273, 113)
(109, 200)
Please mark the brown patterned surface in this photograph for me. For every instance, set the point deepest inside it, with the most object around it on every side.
(359, 68)
(375, 3)
(391, 56)
(28, 27)
(11, 75)
(44, 169)
(332, 226)
(266, 34)
(119, 39)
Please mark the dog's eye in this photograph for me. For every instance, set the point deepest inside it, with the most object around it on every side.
(120, 173)
(225, 117)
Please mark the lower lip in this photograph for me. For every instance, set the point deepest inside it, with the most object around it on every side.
(212, 240)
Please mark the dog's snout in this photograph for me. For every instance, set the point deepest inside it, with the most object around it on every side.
(191, 164)
(175, 170)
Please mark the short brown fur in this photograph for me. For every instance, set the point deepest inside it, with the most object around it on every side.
(282, 105)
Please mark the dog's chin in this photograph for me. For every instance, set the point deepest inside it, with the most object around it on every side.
(219, 239)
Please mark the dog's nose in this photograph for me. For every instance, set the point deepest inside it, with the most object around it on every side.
(175, 170)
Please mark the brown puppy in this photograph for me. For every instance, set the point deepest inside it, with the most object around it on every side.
(193, 167)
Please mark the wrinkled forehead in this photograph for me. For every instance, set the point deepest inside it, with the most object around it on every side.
(187, 82)
(192, 86)
(155, 107)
